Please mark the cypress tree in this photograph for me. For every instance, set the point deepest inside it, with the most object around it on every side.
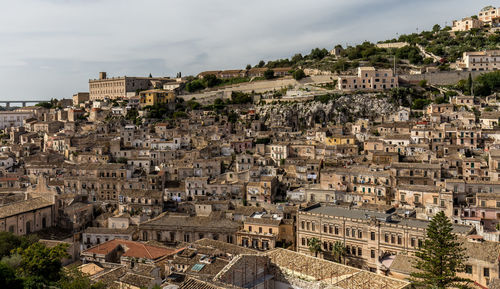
(469, 84)
(440, 257)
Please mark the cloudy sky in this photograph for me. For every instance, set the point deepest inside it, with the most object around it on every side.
(50, 48)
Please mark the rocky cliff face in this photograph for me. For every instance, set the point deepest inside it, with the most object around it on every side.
(338, 110)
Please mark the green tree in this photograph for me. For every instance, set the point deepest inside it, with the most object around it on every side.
(440, 257)
(13, 261)
(318, 54)
(339, 251)
(195, 85)
(296, 58)
(428, 60)
(8, 278)
(469, 84)
(269, 74)
(436, 28)
(192, 104)
(44, 104)
(232, 117)
(179, 114)
(211, 80)
(261, 63)
(218, 103)
(314, 245)
(8, 242)
(248, 67)
(298, 74)
(41, 264)
(487, 83)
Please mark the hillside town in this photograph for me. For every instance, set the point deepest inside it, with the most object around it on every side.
(265, 177)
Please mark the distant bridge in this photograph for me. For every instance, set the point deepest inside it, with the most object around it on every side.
(7, 103)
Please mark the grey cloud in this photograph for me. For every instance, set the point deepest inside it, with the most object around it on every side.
(52, 47)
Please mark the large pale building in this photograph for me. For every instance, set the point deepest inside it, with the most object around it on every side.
(13, 118)
(488, 60)
(122, 87)
(488, 14)
(466, 24)
(368, 236)
(368, 78)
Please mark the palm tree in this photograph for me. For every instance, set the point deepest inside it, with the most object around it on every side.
(314, 246)
(339, 251)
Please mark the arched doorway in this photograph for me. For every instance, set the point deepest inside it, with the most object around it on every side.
(28, 227)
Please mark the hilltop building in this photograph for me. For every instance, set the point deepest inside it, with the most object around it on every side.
(488, 60)
(122, 87)
(369, 78)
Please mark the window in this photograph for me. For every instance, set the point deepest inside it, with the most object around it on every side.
(360, 252)
(386, 238)
(313, 226)
(260, 229)
(486, 272)
(393, 239)
(420, 243)
(302, 225)
(336, 230)
(360, 234)
(249, 228)
(325, 229)
(399, 240)
(303, 241)
(372, 254)
(347, 231)
(372, 236)
(412, 242)
(468, 269)
(270, 230)
(307, 226)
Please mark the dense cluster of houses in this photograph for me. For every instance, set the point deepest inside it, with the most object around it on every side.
(191, 202)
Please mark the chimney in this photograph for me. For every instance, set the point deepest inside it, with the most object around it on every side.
(102, 75)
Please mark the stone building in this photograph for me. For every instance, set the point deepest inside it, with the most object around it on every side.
(488, 60)
(368, 236)
(369, 78)
(10, 119)
(174, 228)
(156, 96)
(488, 14)
(122, 87)
(466, 24)
(27, 216)
(80, 97)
